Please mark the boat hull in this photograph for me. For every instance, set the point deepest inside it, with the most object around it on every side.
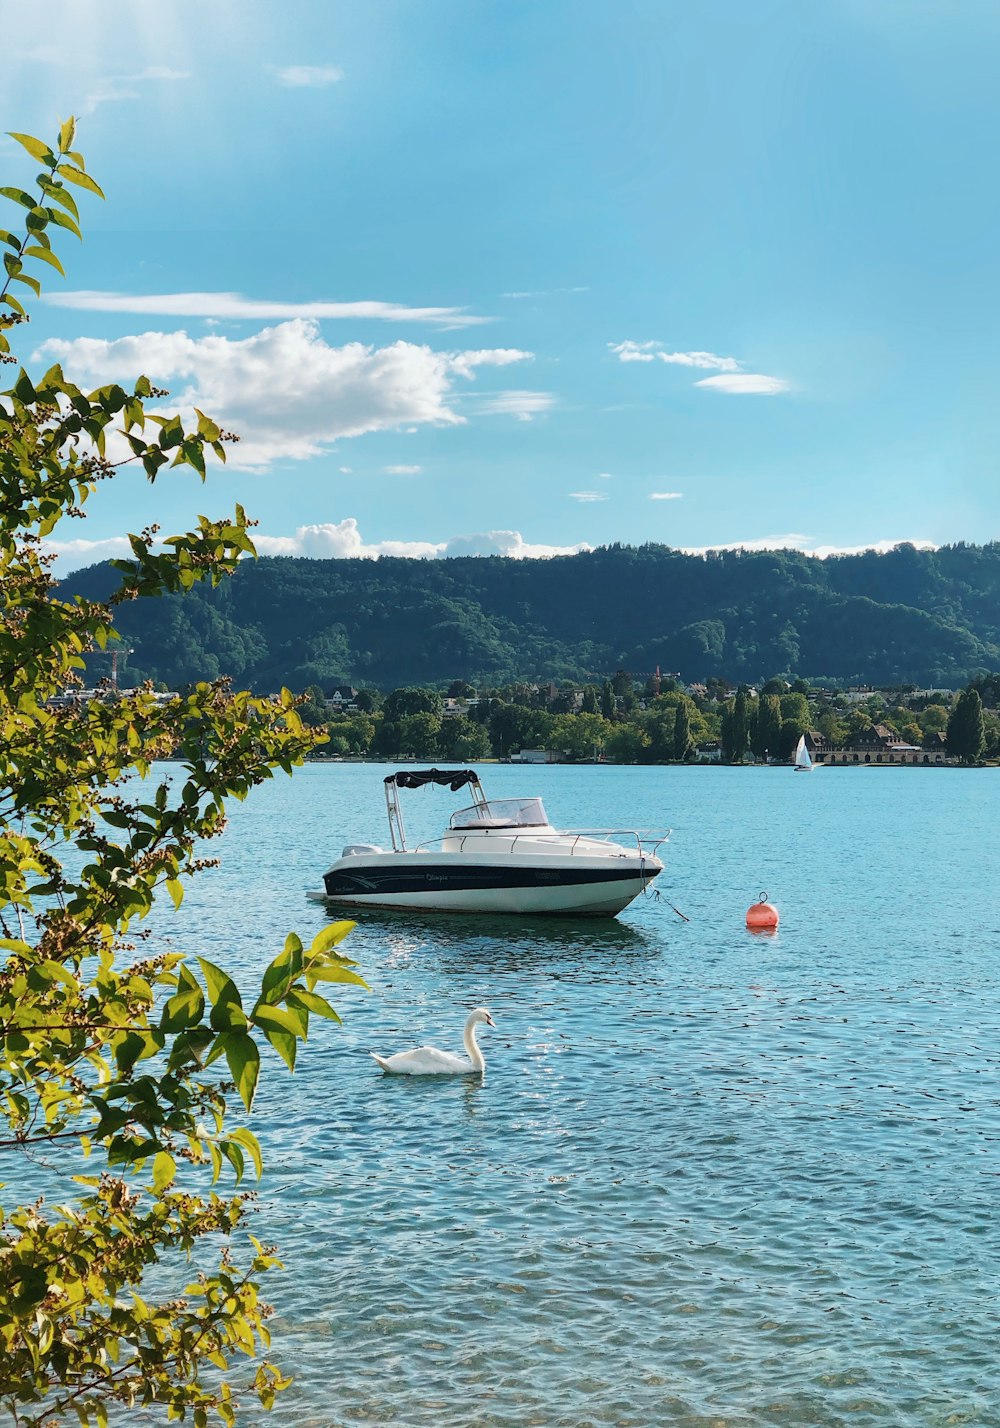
(598, 887)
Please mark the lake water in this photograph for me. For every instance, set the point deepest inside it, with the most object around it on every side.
(709, 1178)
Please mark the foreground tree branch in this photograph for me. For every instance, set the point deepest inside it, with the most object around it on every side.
(130, 1060)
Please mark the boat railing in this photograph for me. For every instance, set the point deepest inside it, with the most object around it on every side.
(647, 840)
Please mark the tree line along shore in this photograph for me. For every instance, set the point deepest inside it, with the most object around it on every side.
(623, 721)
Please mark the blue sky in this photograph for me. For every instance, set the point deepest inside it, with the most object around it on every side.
(533, 276)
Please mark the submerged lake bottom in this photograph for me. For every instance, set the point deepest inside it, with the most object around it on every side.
(708, 1178)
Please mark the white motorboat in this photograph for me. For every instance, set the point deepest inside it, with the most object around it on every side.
(498, 855)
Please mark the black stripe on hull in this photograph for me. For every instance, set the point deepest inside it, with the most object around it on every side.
(472, 878)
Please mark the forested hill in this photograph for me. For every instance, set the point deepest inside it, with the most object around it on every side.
(927, 617)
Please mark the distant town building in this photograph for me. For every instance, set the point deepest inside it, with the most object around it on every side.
(876, 745)
(343, 698)
(536, 756)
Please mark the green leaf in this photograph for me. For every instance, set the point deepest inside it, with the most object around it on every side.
(330, 936)
(28, 282)
(243, 1060)
(227, 1004)
(283, 970)
(249, 1142)
(81, 179)
(47, 256)
(63, 220)
(23, 390)
(19, 196)
(34, 1287)
(164, 1170)
(234, 1155)
(67, 133)
(293, 1020)
(285, 1044)
(35, 148)
(312, 1001)
(336, 972)
(175, 888)
(186, 1008)
(215, 978)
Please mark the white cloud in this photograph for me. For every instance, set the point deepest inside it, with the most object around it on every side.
(807, 545)
(588, 496)
(402, 470)
(74, 554)
(309, 76)
(235, 307)
(346, 470)
(746, 384)
(605, 476)
(286, 392)
(509, 543)
(665, 495)
(127, 86)
(520, 405)
(334, 540)
(343, 540)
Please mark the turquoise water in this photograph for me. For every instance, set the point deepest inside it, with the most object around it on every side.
(709, 1178)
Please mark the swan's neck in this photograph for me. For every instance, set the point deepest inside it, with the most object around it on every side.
(472, 1046)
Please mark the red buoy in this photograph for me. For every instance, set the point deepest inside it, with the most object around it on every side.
(763, 916)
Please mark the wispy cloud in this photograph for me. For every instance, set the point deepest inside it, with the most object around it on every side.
(523, 406)
(544, 292)
(666, 495)
(634, 351)
(588, 495)
(127, 86)
(402, 470)
(287, 393)
(309, 76)
(751, 384)
(490, 357)
(236, 307)
(655, 352)
(732, 380)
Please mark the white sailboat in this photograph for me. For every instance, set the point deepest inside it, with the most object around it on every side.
(802, 762)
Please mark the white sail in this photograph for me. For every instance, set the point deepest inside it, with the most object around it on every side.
(802, 758)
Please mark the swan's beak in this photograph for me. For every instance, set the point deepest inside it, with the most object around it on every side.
(489, 1020)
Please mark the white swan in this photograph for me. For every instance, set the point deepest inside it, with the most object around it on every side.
(429, 1061)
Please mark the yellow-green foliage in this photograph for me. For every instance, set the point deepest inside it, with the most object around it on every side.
(119, 1055)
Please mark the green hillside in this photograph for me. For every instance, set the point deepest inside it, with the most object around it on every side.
(927, 617)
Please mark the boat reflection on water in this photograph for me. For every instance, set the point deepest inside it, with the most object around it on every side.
(462, 942)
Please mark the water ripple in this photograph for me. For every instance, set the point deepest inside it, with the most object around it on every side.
(709, 1179)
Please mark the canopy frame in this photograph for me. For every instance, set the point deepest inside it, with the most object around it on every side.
(418, 778)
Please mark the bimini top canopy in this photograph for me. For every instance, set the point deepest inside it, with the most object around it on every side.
(447, 778)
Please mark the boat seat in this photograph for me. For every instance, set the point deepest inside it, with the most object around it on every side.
(356, 850)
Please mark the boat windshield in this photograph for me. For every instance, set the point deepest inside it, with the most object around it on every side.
(502, 813)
